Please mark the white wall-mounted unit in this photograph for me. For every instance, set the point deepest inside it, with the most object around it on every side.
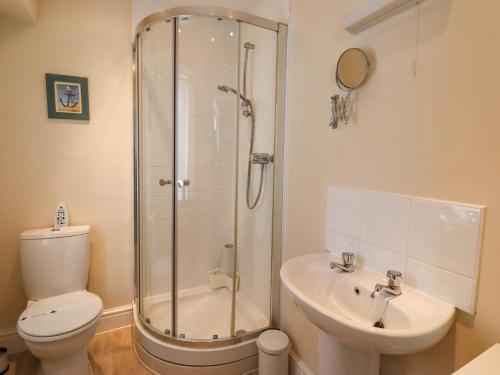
(370, 12)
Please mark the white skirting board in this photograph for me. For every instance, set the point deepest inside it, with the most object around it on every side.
(113, 318)
(298, 366)
(12, 341)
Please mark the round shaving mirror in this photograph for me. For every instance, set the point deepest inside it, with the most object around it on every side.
(352, 69)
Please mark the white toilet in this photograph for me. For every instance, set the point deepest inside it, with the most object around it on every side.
(61, 317)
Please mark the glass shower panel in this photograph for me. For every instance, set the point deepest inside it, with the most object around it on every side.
(258, 47)
(205, 163)
(155, 138)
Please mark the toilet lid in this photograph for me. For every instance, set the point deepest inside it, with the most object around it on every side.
(61, 314)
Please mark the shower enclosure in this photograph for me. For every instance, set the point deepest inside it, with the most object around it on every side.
(209, 118)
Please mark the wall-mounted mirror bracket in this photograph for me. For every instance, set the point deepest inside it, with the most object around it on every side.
(352, 70)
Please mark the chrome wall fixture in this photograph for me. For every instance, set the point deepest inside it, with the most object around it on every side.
(351, 73)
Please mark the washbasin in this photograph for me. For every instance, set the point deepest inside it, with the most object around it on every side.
(340, 305)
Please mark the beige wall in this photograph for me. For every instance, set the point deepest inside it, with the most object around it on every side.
(435, 134)
(88, 165)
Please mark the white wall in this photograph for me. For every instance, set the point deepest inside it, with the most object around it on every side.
(88, 165)
(433, 135)
(276, 10)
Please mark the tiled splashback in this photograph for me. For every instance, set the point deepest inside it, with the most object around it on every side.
(436, 244)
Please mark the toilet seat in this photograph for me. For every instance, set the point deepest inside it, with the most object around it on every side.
(59, 317)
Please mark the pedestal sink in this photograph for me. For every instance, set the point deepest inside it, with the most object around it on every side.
(341, 306)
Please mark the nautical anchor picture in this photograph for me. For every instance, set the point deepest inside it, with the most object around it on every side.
(67, 97)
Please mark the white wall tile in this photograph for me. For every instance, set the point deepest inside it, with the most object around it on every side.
(194, 204)
(159, 206)
(337, 243)
(435, 244)
(159, 232)
(379, 259)
(159, 98)
(159, 126)
(445, 235)
(448, 286)
(344, 211)
(385, 220)
(158, 153)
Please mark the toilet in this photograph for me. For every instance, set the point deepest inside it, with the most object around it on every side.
(61, 316)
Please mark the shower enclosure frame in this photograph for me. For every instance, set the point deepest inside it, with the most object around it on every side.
(281, 30)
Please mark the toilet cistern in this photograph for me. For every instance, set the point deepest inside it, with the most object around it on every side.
(61, 316)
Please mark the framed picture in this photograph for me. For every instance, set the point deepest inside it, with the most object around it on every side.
(67, 97)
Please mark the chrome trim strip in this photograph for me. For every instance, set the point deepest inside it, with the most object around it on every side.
(279, 149)
(173, 329)
(231, 14)
(135, 69)
(232, 332)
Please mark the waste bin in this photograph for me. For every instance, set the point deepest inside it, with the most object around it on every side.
(273, 347)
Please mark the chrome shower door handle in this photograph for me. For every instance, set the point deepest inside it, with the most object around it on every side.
(182, 183)
(164, 182)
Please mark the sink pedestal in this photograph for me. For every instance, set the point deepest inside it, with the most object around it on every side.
(336, 358)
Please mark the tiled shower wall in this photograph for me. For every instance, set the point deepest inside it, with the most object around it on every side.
(436, 244)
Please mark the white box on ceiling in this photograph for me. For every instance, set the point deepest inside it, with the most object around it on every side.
(370, 12)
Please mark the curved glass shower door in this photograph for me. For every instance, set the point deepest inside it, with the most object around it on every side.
(205, 173)
(154, 149)
(205, 95)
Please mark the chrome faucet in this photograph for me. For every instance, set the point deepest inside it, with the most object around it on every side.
(347, 264)
(394, 279)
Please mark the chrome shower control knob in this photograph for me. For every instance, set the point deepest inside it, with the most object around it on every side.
(182, 183)
(164, 182)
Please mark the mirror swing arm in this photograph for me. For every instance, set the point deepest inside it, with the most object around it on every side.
(351, 73)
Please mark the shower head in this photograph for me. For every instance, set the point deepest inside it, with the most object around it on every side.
(249, 45)
(245, 101)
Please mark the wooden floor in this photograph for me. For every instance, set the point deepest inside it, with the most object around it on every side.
(110, 353)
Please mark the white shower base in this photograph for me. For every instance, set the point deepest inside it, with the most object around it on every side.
(203, 313)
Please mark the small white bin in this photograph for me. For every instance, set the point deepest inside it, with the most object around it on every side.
(273, 352)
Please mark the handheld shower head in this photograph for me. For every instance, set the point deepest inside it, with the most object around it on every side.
(222, 88)
(226, 89)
